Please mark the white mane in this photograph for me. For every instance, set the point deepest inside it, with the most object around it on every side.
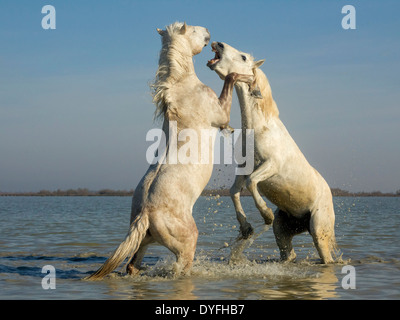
(267, 103)
(174, 62)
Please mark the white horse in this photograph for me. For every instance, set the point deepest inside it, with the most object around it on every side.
(282, 173)
(163, 200)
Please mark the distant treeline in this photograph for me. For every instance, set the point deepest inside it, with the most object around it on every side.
(83, 192)
(336, 192)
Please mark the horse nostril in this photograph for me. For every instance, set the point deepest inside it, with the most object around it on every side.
(221, 45)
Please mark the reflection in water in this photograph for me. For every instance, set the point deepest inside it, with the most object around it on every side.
(324, 286)
(221, 280)
(150, 288)
(183, 290)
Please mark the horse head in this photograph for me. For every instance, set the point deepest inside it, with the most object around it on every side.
(194, 38)
(227, 60)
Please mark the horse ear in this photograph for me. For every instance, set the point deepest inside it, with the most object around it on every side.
(183, 29)
(259, 63)
(160, 32)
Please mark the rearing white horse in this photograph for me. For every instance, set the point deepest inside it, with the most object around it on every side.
(282, 173)
(163, 200)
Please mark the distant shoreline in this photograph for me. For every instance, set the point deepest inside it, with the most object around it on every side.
(83, 192)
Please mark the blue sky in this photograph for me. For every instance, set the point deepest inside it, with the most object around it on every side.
(75, 105)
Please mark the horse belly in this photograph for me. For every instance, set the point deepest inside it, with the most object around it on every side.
(295, 199)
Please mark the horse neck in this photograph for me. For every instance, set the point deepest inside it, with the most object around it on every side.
(247, 102)
(175, 63)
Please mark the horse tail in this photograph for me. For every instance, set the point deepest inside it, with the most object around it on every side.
(128, 247)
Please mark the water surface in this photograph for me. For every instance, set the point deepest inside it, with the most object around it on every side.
(77, 234)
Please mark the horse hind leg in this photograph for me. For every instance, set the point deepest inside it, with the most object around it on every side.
(185, 248)
(184, 253)
(323, 245)
(133, 267)
(285, 228)
(184, 262)
(322, 230)
(180, 237)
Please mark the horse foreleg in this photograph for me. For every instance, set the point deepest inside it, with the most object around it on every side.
(245, 228)
(262, 173)
(225, 99)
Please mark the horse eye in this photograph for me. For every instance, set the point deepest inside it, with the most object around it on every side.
(244, 58)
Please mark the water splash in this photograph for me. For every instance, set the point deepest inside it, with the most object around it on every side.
(215, 269)
(241, 244)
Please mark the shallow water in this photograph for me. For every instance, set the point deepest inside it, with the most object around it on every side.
(77, 234)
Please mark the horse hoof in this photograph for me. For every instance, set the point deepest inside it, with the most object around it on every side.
(268, 221)
(228, 129)
(131, 270)
(288, 257)
(247, 232)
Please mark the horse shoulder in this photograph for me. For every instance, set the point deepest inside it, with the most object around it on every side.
(191, 92)
(271, 139)
(208, 94)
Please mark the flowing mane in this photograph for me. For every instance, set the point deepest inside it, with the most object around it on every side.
(267, 103)
(175, 61)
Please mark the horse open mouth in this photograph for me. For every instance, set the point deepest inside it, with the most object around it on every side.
(212, 63)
